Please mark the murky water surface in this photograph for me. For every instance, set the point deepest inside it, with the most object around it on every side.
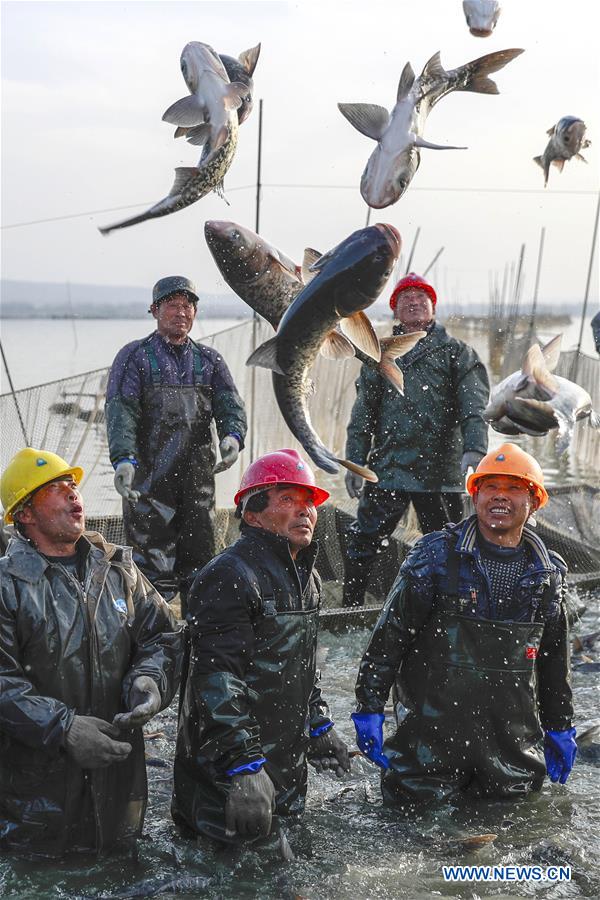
(347, 845)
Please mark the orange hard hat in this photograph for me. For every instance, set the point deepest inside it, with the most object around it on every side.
(280, 467)
(509, 459)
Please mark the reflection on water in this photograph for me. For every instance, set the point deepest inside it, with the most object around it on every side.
(348, 846)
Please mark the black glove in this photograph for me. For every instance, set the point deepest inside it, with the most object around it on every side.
(354, 484)
(250, 805)
(470, 460)
(144, 702)
(88, 742)
(328, 752)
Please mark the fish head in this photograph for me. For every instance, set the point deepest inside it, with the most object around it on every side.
(237, 72)
(569, 132)
(196, 59)
(243, 256)
(481, 16)
(388, 175)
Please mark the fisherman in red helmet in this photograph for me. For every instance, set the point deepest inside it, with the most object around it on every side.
(252, 710)
(420, 444)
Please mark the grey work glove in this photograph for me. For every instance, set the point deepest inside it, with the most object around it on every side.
(89, 743)
(328, 752)
(230, 450)
(354, 484)
(144, 702)
(250, 805)
(124, 479)
(471, 458)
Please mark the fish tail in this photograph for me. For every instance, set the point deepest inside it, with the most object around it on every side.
(135, 220)
(477, 71)
(363, 471)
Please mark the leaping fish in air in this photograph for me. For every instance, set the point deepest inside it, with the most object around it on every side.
(566, 140)
(209, 115)
(399, 135)
(481, 16)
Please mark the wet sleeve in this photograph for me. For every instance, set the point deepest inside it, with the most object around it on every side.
(404, 613)
(472, 392)
(554, 668)
(364, 416)
(26, 716)
(123, 405)
(228, 407)
(318, 710)
(221, 605)
(157, 642)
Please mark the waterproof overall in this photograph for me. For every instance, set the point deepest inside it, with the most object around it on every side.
(469, 686)
(277, 688)
(171, 527)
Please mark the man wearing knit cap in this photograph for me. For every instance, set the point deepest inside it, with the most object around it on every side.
(419, 444)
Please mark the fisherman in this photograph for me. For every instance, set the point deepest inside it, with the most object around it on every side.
(89, 652)
(252, 710)
(421, 444)
(163, 392)
(596, 331)
(475, 639)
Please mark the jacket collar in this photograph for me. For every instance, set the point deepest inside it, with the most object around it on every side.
(467, 542)
(27, 563)
(280, 545)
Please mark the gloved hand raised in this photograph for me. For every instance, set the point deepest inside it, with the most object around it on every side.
(328, 752)
(144, 702)
(560, 750)
(88, 742)
(369, 737)
(354, 484)
(250, 805)
(124, 473)
(230, 450)
(471, 459)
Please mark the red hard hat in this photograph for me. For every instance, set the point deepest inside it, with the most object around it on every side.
(280, 467)
(412, 281)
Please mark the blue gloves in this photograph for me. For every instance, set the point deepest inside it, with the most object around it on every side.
(369, 737)
(560, 750)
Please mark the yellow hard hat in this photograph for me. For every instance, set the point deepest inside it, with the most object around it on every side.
(509, 459)
(29, 470)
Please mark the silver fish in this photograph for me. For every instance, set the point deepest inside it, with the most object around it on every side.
(481, 16)
(567, 139)
(210, 118)
(349, 279)
(399, 135)
(269, 282)
(534, 401)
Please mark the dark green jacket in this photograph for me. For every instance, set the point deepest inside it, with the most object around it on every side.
(415, 442)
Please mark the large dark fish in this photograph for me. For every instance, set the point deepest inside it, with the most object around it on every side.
(209, 116)
(349, 279)
(399, 135)
(566, 140)
(268, 281)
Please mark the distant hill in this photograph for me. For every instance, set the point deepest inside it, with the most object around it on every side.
(42, 300)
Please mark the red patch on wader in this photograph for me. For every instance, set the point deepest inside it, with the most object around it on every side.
(531, 652)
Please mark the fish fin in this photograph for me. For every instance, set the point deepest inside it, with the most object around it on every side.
(388, 368)
(559, 163)
(479, 69)
(359, 330)
(421, 142)
(551, 130)
(433, 67)
(219, 190)
(219, 139)
(308, 260)
(541, 406)
(179, 131)
(188, 111)
(336, 346)
(594, 419)
(475, 841)
(265, 356)
(368, 118)
(363, 471)
(407, 79)
(182, 176)
(580, 157)
(249, 58)
(534, 366)
(538, 160)
(198, 135)
(235, 93)
(504, 425)
(551, 352)
(400, 344)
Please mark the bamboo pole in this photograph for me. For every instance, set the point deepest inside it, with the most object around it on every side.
(575, 365)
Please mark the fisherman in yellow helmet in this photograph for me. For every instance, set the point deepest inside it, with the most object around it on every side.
(89, 652)
(474, 638)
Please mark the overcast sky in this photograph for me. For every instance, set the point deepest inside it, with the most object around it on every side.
(84, 86)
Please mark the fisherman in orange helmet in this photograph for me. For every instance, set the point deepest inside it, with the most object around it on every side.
(252, 709)
(474, 637)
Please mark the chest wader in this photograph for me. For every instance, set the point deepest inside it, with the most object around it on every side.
(471, 691)
(279, 683)
(171, 527)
